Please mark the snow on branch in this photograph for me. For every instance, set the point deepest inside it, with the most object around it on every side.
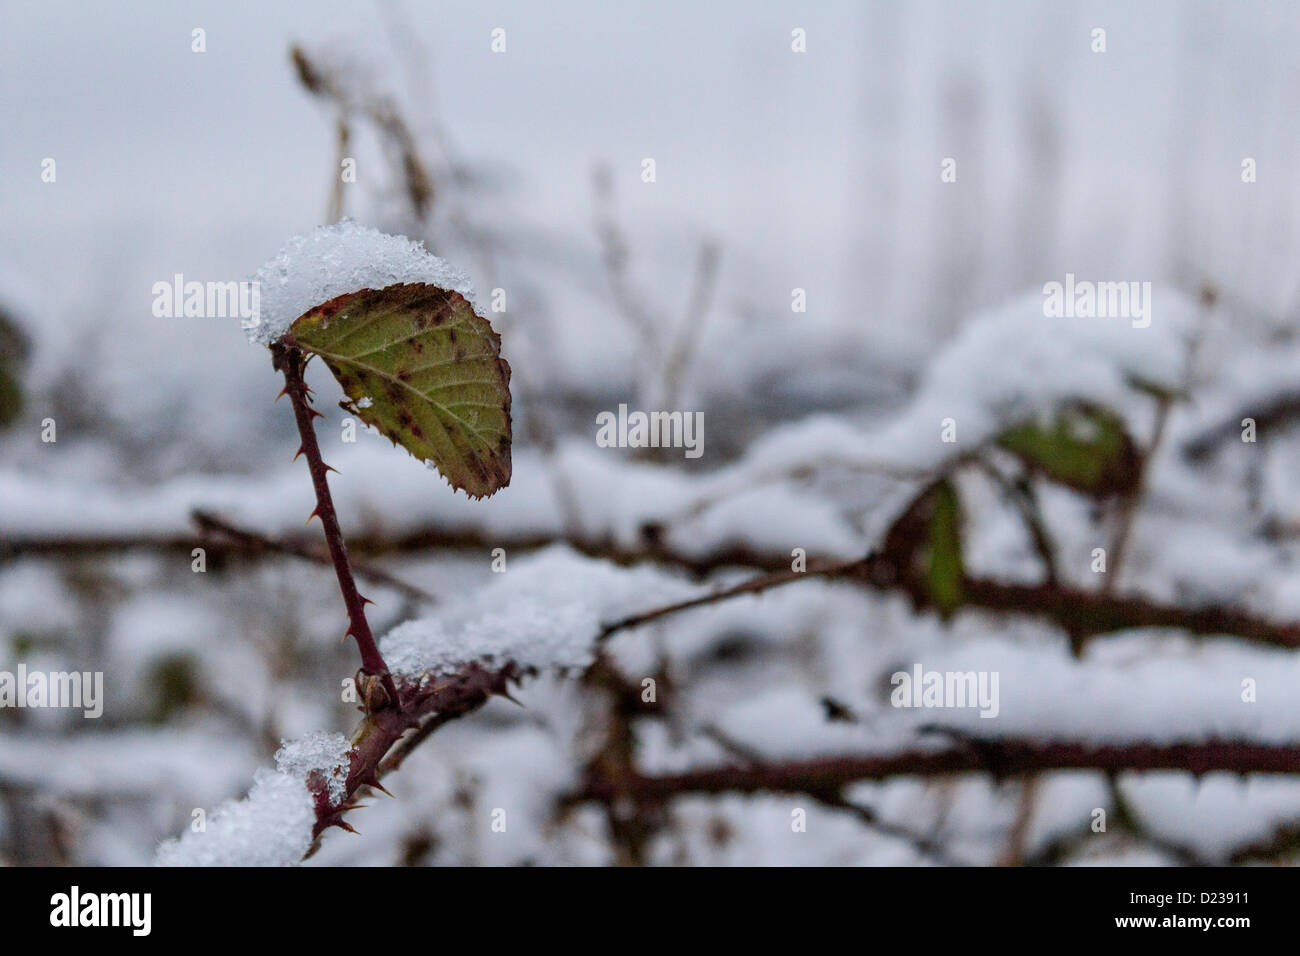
(546, 614)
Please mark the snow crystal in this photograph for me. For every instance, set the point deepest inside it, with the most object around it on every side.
(272, 826)
(333, 260)
(327, 753)
(544, 612)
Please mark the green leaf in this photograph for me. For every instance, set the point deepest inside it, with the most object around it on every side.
(417, 363)
(11, 396)
(14, 344)
(944, 567)
(14, 347)
(1085, 447)
(924, 546)
(174, 679)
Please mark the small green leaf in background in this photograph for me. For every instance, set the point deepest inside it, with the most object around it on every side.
(11, 396)
(925, 547)
(1084, 447)
(417, 363)
(174, 679)
(944, 567)
(14, 348)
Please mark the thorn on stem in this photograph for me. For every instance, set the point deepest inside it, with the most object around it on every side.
(507, 695)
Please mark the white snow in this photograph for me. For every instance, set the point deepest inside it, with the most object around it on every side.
(272, 826)
(323, 752)
(1012, 363)
(618, 497)
(544, 613)
(1007, 364)
(162, 764)
(814, 420)
(333, 260)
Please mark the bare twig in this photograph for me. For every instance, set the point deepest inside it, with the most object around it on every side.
(1130, 503)
(1020, 492)
(682, 351)
(631, 825)
(395, 135)
(1127, 819)
(1271, 414)
(1002, 758)
(924, 845)
(251, 541)
(614, 251)
(1085, 613)
(1013, 854)
(755, 585)
(344, 135)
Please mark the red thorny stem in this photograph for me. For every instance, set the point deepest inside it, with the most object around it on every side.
(291, 361)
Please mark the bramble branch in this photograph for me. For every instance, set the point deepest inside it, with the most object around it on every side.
(420, 708)
(1083, 612)
(1001, 758)
(291, 362)
(252, 542)
(1070, 608)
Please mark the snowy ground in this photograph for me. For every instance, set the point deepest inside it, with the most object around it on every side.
(817, 171)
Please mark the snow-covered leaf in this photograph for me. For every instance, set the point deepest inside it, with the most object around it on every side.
(1084, 447)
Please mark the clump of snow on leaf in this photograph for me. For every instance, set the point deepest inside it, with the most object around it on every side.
(1012, 363)
(272, 826)
(334, 260)
(544, 612)
(1007, 365)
